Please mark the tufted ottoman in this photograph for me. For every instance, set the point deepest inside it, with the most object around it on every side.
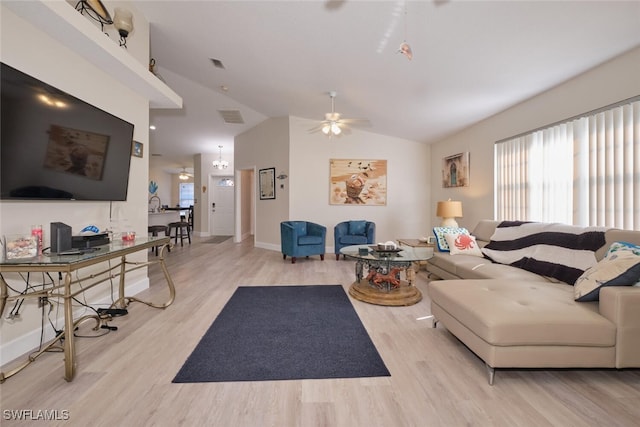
(516, 324)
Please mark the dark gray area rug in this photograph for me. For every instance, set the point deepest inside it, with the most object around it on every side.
(217, 239)
(283, 333)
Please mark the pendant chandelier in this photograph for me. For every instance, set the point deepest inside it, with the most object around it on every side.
(220, 164)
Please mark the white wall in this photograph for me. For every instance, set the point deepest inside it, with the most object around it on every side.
(285, 144)
(28, 49)
(606, 84)
(265, 146)
(408, 186)
(165, 183)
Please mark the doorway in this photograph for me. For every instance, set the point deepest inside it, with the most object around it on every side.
(222, 205)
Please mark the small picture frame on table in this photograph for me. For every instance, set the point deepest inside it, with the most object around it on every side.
(137, 149)
(20, 246)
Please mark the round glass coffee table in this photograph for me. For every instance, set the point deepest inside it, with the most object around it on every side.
(378, 278)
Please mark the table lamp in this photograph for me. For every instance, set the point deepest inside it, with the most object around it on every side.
(449, 210)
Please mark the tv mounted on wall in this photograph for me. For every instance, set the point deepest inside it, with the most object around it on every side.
(54, 146)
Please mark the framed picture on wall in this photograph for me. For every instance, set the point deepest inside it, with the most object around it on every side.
(455, 170)
(358, 182)
(137, 149)
(267, 183)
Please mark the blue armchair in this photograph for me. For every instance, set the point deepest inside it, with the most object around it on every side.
(302, 238)
(353, 233)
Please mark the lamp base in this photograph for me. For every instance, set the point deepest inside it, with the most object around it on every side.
(449, 222)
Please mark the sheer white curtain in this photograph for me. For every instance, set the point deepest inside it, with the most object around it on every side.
(607, 172)
(585, 171)
(534, 176)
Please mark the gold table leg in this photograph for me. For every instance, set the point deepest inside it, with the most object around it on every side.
(69, 345)
(124, 301)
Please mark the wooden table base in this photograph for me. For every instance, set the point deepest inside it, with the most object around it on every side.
(400, 296)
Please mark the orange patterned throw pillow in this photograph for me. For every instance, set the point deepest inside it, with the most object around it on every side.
(463, 244)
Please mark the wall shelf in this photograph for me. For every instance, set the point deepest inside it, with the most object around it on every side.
(62, 22)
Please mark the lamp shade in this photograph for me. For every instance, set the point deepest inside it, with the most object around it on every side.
(448, 211)
(123, 21)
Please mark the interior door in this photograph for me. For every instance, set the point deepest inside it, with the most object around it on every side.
(222, 206)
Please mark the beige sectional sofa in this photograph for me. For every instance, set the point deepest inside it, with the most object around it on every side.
(512, 318)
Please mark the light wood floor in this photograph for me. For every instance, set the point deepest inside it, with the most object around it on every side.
(124, 378)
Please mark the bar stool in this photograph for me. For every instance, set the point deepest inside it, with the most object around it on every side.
(154, 230)
(182, 231)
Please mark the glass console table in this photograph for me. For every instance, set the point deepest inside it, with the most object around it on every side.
(72, 284)
(382, 284)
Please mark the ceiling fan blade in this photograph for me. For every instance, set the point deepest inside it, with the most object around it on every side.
(317, 128)
(356, 122)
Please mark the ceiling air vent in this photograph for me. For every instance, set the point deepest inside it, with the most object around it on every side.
(231, 116)
(217, 63)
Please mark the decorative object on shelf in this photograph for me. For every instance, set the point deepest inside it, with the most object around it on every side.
(449, 210)
(362, 182)
(267, 183)
(137, 149)
(123, 21)
(220, 164)
(96, 11)
(152, 68)
(455, 170)
(153, 187)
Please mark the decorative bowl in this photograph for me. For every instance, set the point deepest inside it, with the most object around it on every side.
(387, 246)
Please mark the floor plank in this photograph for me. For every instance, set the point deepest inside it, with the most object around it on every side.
(124, 378)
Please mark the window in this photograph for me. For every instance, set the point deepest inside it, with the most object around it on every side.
(186, 194)
(584, 171)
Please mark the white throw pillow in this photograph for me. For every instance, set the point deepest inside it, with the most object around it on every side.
(463, 244)
(439, 232)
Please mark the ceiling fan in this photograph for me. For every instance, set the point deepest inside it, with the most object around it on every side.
(334, 125)
(184, 175)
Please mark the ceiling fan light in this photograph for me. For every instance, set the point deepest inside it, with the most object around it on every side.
(335, 129)
(326, 129)
(183, 176)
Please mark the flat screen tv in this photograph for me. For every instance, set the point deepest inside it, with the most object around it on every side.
(54, 146)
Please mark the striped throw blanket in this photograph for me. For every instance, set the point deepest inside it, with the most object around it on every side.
(553, 250)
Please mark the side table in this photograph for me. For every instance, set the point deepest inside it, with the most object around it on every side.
(419, 246)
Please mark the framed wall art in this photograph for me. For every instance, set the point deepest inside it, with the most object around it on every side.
(358, 182)
(137, 149)
(455, 170)
(267, 183)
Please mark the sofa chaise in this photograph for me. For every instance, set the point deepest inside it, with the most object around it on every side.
(513, 317)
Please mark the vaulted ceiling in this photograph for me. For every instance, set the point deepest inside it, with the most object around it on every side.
(471, 59)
